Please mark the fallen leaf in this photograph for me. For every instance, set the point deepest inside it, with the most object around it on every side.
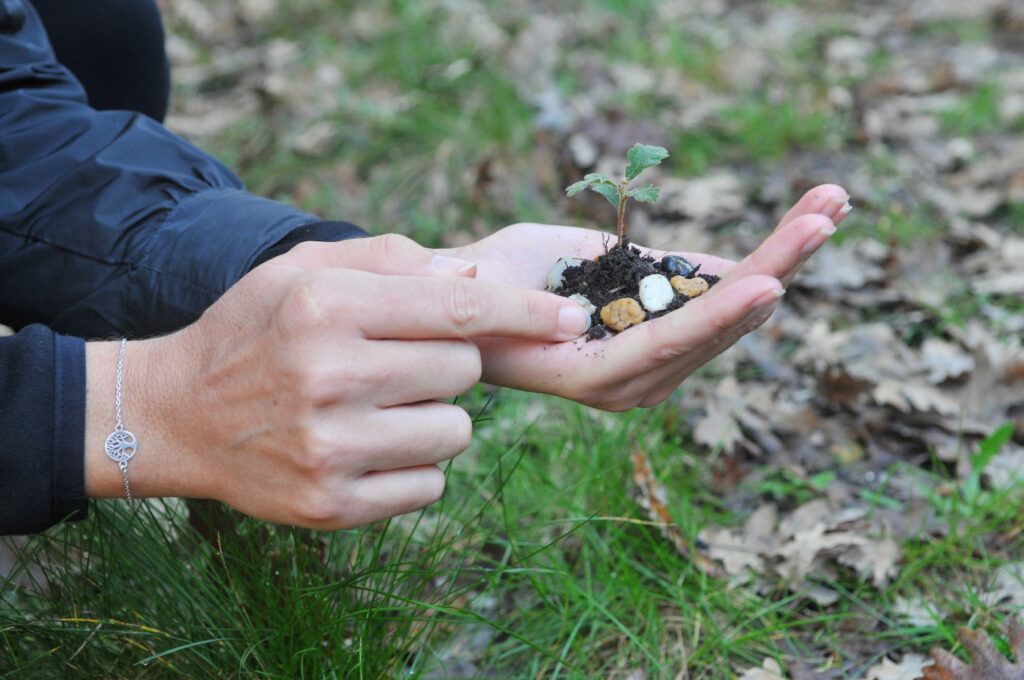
(986, 661)
(653, 498)
(769, 670)
(1008, 588)
(910, 667)
(809, 540)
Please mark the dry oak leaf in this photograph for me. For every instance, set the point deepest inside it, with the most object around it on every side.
(909, 668)
(986, 661)
(769, 670)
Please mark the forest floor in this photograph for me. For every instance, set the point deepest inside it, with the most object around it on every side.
(835, 494)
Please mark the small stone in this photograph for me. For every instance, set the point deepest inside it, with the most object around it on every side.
(676, 264)
(622, 313)
(583, 302)
(689, 287)
(655, 292)
(555, 278)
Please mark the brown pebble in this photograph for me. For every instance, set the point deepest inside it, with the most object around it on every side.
(689, 287)
(622, 313)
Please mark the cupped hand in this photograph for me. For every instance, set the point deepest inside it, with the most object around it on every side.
(644, 364)
(308, 394)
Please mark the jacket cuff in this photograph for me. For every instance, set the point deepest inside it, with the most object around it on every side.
(326, 232)
(42, 462)
(68, 498)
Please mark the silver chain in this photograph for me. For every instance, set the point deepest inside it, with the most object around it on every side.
(121, 444)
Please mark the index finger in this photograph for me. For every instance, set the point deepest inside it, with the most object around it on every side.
(414, 307)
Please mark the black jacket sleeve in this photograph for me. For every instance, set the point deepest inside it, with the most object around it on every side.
(41, 460)
(140, 229)
(110, 225)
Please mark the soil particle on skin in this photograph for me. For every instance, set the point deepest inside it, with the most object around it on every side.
(617, 274)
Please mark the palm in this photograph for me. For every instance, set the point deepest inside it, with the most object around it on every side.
(644, 364)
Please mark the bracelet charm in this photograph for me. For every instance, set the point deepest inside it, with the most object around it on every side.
(121, 444)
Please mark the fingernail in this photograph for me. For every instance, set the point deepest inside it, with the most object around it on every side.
(815, 241)
(452, 265)
(769, 297)
(573, 320)
(835, 205)
(845, 209)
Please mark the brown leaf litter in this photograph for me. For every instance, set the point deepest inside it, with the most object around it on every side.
(987, 662)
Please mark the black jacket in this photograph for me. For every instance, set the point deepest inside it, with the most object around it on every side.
(110, 226)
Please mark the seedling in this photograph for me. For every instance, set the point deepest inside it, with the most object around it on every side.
(624, 286)
(641, 157)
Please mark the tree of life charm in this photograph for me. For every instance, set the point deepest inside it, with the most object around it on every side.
(121, 446)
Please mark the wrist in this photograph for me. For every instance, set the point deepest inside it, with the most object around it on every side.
(160, 466)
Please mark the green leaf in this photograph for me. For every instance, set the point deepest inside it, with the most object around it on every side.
(987, 449)
(643, 156)
(821, 480)
(609, 191)
(576, 187)
(588, 181)
(648, 193)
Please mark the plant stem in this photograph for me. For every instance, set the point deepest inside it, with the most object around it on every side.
(620, 226)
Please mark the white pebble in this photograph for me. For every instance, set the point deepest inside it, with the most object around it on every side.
(555, 278)
(655, 292)
(583, 302)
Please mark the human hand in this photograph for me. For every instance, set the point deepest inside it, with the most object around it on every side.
(308, 393)
(644, 364)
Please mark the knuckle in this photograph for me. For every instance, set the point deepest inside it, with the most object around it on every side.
(315, 453)
(665, 354)
(302, 307)
(304, 380)
(462, 305)
(391, 246)
(315, 507)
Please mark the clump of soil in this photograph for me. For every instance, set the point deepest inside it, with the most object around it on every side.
(617, 274)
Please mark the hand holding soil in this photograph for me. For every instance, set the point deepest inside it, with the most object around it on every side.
(643, 365)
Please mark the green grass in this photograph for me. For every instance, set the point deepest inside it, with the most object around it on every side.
(539, 562)
(967, 30)
(977, 113)
(568, 589)
(1014, 217)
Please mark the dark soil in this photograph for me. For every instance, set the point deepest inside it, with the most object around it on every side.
(617, 274)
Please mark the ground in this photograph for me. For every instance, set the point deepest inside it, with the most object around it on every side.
(836, 494)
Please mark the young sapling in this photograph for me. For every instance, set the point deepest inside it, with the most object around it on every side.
(624, 287)
(641, 157)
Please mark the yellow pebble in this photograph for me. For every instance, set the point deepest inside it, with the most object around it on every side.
(622, 313)
(689, 287)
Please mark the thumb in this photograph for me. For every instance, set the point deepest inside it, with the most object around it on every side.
(387, 254)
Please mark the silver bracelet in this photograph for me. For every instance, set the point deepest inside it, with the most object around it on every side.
(121, 444)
